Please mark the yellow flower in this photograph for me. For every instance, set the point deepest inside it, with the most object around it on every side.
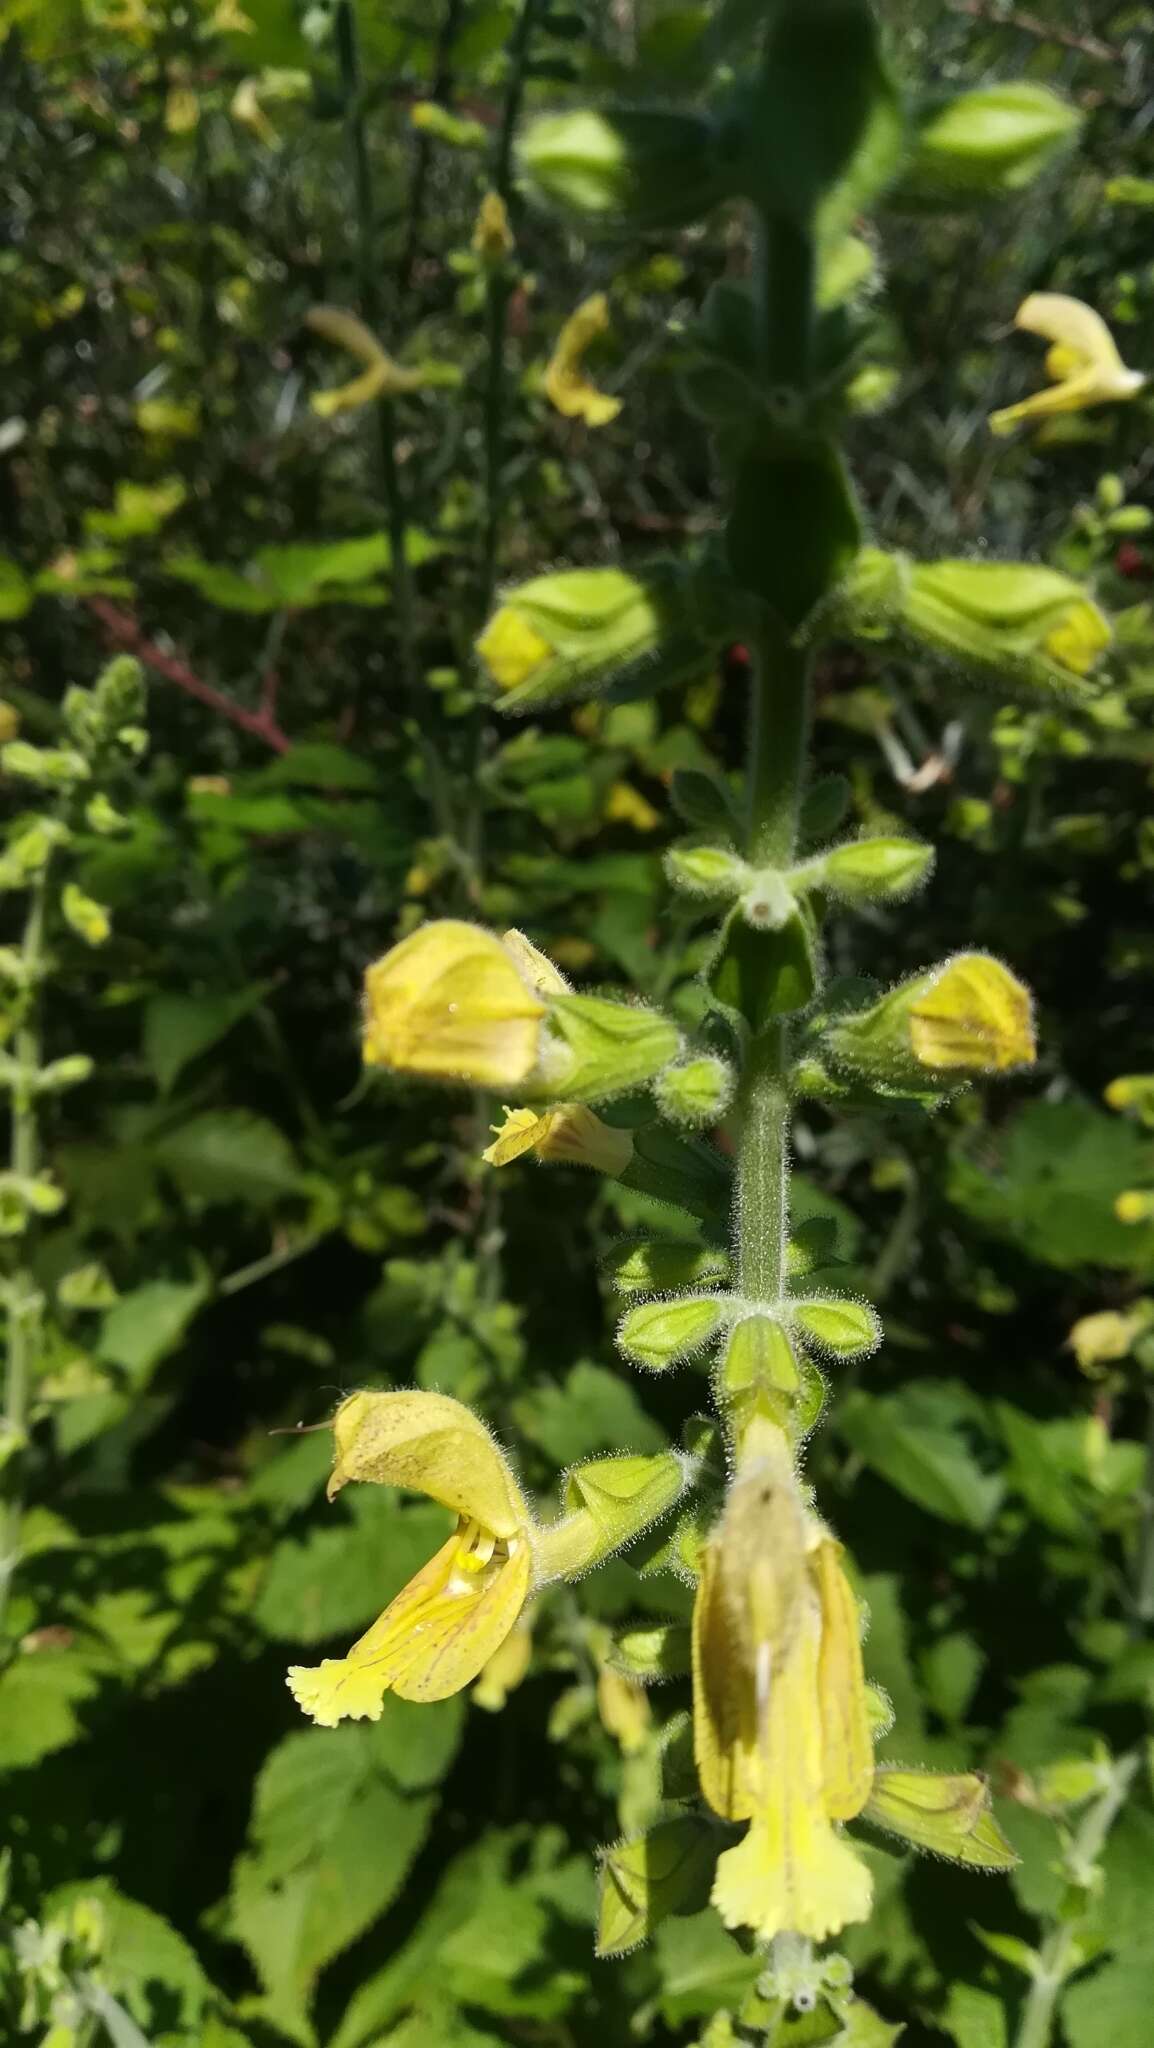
(1083, 362)
(381, 377)
(1101, 1339)
(781, 1720)
(625, 805)
(453, 1002)
(507, 1668)
(454, 1615)
(1134, 1205)
(566, 384)
(569, 1135)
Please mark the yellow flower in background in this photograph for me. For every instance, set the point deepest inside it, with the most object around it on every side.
(1082, 362)
(566, 385)
(625, 805)
(975, 1016)
(1103, 1338)
(452, 1002)
(1135, 1205)
(568, 1135)
(492, 238)
(781, 1719)
(508, 1666)
(454, 1615)
(381, 377)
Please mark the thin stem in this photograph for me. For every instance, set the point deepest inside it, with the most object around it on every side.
(23, 1297)
(423, 152)
(1059, 1951)
(392, 489)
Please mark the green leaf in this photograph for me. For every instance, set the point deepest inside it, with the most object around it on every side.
(229, 1155)
(701, 1968)
(138, 509)
(1060, 1168)
(1110, 2008)
(975, 2018)
(145, 1963)
(901, 1437)
(338, 1816)
(178, 1028)
(591, 1410)
(147, 1323)
(338, 1576)
(15, 590)
(40, 1694)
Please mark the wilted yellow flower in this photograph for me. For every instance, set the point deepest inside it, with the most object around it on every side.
(568, 1135)
(781, 1721)
(381, 378)
(975, 1015)
(967, 1017)
(1083, 362)
(452, 1002)
(566, 384)
(453, 1616)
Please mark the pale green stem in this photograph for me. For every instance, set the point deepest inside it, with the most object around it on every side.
(1059, 1952)
(23, 1300)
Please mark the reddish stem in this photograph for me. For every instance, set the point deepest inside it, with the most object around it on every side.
(261, 725)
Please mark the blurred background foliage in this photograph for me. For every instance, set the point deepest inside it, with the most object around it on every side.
(252, 1230)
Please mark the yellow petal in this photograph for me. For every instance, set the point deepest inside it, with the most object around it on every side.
(511, 649)
(521, 1132)
(430, 1444)
(450, 1002)
(506, 1669)
(566, 384)
(976, 1015)
(724, 1705)
(845, 1720)
(1072, 325)
(792, 1872)
(431, 1640)
(625, 805)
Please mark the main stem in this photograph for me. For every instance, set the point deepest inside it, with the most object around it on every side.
(775, 780)
(23, 1299)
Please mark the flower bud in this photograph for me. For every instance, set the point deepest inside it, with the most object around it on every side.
(87, 918)
(1014, 623)
(707, 870)
(764, 968)
(662, 1265)
(641, 167)
(868, 870)
(757, 1355)
(837, 1325)
(987, 143)
(60, 1075)
(606, 1504)
(651, 1654)
(946, 1812)
(598, 1048)
(658, 1334)
(575, 632)
(969, 1016)
(49, 767)
(695, 1091)
(1133, 1092)
(668, 1870)
(492, 238)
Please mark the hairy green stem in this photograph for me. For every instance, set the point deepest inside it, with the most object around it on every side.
(24, 1296)
(776, 774)
(1059, 1953)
